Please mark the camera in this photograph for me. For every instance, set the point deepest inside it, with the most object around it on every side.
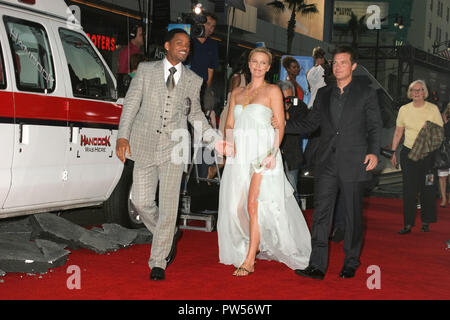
(292, 100)
(196, 22)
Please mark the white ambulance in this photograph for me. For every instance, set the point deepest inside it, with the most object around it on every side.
(59, 115)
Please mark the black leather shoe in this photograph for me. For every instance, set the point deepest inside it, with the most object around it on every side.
(173, 249)
(425, 227)
(157, 274)
(347, 272)
(405, 230)
(311, 272)
(338, 235)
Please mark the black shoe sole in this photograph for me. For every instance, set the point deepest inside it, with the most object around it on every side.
(159, 276)
(307, 275)
(346, 275)
(405, 231)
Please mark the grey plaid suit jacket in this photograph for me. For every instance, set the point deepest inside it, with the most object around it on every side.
(150, 113)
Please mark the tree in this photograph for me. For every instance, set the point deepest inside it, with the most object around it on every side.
(356, 27)
(296, 6)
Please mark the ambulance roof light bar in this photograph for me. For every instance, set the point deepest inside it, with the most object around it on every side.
(28, 1)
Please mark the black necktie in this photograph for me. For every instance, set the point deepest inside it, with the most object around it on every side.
(170, 83)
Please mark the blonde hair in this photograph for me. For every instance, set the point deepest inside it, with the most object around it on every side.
(424, 86)
(318, 52)
(261, 50)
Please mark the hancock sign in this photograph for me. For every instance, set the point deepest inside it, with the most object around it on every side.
(88, 141)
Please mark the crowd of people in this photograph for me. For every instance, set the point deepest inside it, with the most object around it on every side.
(259, 215)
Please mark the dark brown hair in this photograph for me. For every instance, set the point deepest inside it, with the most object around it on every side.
(346, 49)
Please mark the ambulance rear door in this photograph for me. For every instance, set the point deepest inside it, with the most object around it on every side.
(41, 133)
(94, 115)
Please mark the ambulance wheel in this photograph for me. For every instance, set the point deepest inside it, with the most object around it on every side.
(119, 208)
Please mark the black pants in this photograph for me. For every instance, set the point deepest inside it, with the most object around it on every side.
(339, 213)
(327, 186)
(414, 173)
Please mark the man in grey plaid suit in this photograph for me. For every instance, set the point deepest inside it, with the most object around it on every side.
(162, 97)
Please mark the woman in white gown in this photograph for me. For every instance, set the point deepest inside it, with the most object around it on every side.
(258, 214)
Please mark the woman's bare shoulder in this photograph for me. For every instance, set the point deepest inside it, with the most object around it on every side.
(273, 88)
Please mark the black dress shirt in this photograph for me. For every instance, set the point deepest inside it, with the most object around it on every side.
(337, 102)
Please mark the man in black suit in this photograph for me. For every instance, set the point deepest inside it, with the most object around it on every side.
(349, 118)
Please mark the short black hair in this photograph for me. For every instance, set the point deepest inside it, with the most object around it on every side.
(170, 34)
(347, 49)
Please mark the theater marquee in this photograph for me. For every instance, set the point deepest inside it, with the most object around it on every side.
(343, 10)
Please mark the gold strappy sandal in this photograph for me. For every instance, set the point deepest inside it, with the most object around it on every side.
(241, 268)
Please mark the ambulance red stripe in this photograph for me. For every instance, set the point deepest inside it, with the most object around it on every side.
(42, 107)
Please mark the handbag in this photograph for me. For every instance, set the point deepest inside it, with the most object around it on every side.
(387, 153)
(259, 164)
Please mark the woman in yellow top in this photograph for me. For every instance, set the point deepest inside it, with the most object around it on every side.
(410, 120)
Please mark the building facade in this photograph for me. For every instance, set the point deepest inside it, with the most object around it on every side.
(401, 50)
(431, 28)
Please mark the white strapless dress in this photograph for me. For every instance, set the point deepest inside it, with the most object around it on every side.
(284, 234)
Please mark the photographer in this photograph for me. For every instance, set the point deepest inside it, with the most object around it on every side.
(291, 147)
(204, 60)
(136, 37)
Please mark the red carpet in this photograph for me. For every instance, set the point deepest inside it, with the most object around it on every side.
(414, 266)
